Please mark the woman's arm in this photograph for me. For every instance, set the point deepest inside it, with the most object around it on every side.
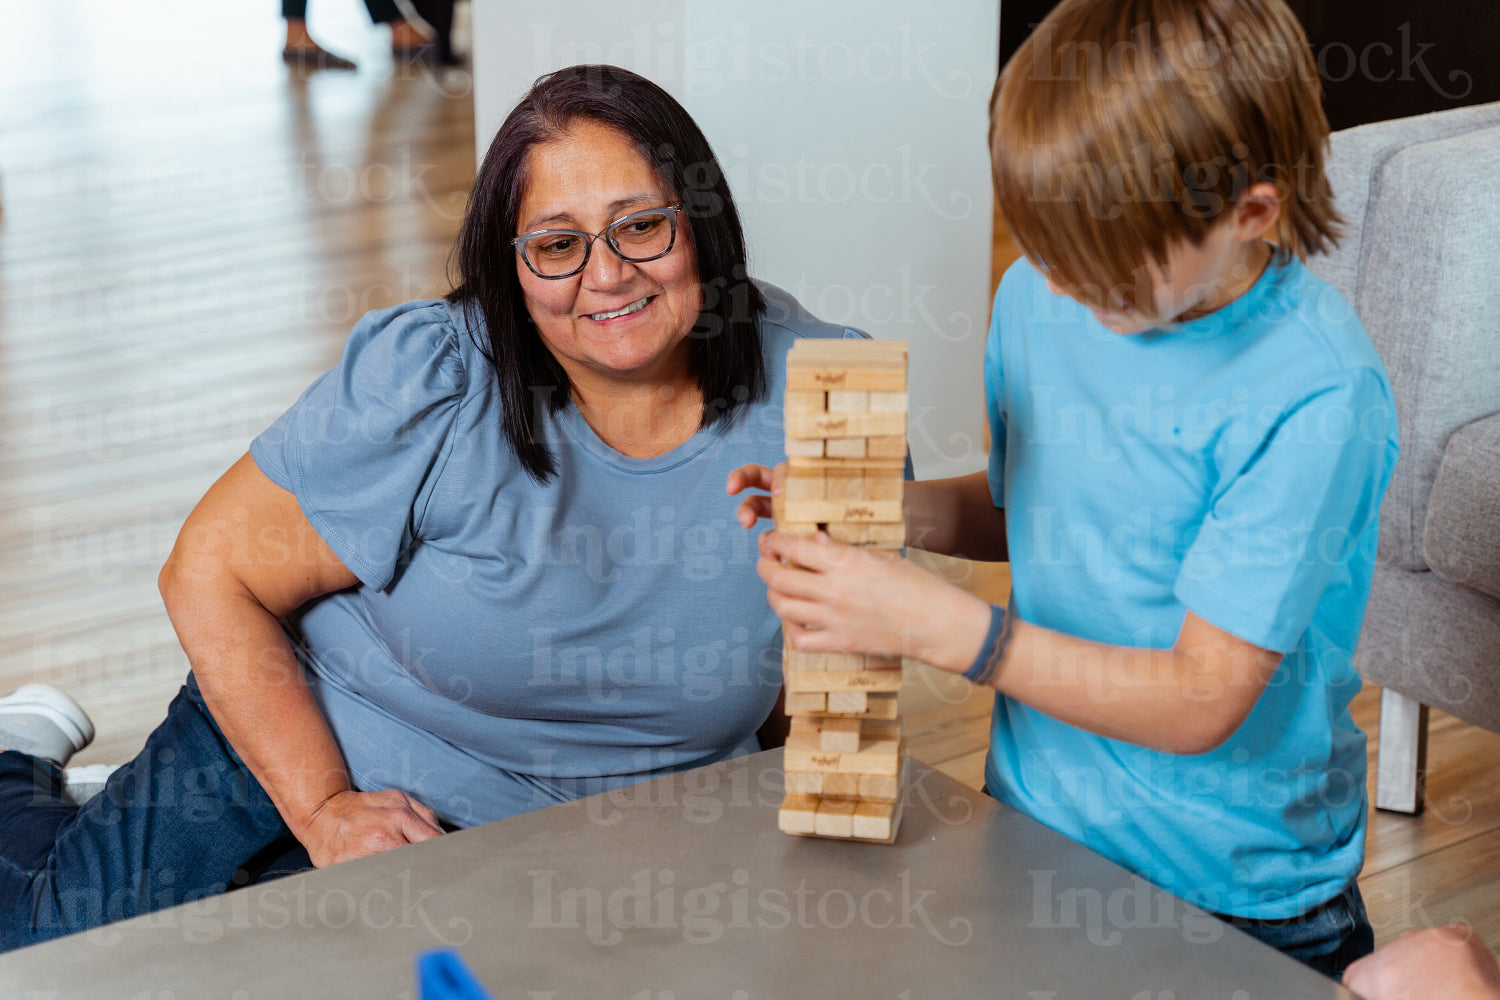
(246, 557)
(1187, 699)
(952, 517)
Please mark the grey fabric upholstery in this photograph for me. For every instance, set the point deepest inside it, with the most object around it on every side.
(1420, 262)
(1433, 642)
(1462, 539)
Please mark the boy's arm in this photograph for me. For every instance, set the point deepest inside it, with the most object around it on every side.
(1187, 699)
(956, 517)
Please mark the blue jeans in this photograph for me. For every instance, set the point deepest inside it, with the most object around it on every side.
(1327, 937)
(185, 819)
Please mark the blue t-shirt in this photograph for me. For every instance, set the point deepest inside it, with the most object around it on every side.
(512, 645)
(1231, 466)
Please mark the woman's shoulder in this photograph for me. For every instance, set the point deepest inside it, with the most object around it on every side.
(418, 341)
(786, 319)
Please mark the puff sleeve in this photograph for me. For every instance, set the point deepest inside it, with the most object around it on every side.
(364, 445)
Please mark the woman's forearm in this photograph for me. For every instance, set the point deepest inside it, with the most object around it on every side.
(956, 517)
(254, 687)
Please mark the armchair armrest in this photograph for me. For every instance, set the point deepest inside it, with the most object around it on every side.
(1461, 539)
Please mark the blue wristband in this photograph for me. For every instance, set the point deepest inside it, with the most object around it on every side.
(982, 670)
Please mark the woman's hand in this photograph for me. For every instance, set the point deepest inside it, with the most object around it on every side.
(755, 477)
(353, 824)
(1449, 962)
(835, 598)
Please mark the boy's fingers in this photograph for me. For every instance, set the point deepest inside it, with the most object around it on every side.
(819, 553)
(803, 621)
(790, 581)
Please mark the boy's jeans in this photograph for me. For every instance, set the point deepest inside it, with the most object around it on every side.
(185, 819)
(1327, 937)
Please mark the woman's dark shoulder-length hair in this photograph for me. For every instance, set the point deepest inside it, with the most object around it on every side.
(725, 340)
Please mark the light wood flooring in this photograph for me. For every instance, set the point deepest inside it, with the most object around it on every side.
(187, 233)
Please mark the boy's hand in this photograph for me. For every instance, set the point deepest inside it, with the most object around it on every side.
(755, 477)
(835, 598)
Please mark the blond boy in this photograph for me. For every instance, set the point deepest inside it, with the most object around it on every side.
(1191, 436)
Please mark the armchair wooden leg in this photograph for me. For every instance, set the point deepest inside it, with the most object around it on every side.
(1401, 768)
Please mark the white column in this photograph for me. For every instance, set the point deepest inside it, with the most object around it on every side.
(853, 133)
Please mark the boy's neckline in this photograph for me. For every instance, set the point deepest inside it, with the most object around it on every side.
(1234, 312)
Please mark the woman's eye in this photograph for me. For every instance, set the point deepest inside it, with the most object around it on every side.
(638, 227)
(555, 245)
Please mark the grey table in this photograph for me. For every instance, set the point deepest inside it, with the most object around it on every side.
(683, 888)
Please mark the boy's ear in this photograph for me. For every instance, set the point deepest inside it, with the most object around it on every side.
(1257, 211)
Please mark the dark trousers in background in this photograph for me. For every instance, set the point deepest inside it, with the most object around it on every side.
(381, 11)
(185, 819)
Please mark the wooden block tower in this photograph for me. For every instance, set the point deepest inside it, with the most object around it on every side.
(846, 408)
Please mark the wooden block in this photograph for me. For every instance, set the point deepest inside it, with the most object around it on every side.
(855, 350)
(848, 511)
(847, 701)
(831, 377)
(798, 448)
(806, 703)
(839, 735)
(835, 818)
(798, 529)
(845, 448)
(828, 681)
(806, 485)
(873, 662)
(803, 735)
(844, 401)
(876, 730)
(843, 661)
(870, 535)
(881, 706)
(838, 786)
(879, 787)
(807, 402)
(882, 486)
(798, 814)
(882, 757)
(888, 446)
(843, 484)
(888, 402)
(887, 464)
(844, 425)
(798, 783)
(872, 820)
(802, 660)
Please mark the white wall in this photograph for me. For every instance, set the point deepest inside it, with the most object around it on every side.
(853, 134)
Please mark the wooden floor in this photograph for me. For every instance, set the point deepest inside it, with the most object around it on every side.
(188, 233)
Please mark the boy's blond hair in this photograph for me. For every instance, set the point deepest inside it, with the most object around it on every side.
(1121, 127)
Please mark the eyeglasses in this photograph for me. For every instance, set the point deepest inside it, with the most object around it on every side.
(637, 238)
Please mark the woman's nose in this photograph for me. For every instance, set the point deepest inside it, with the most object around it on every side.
(605, 269)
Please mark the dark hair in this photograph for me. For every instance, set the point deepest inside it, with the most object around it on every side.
(726, 350)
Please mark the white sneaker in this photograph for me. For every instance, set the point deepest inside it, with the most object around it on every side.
(40, 720)
(82, 783)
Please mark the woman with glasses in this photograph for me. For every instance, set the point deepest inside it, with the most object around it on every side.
(483, 565)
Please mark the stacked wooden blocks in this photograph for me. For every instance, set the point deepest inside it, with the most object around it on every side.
(846, 408)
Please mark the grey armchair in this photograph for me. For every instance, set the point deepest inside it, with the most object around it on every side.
(1421, 264)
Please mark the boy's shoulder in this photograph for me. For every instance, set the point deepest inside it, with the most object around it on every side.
(1306, 327)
